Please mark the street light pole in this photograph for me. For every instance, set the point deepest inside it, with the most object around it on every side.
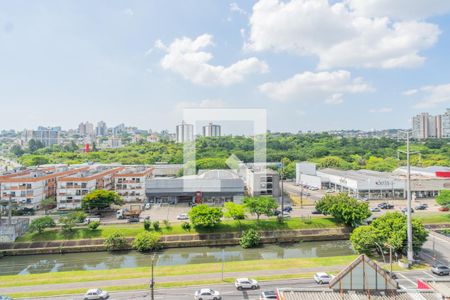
(9, 209)
(152, 282)
(282, 191)
(409, 204)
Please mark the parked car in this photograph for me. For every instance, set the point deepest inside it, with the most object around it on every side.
(276, 212)
(404, 210)
(285, 214)
(421, 206)
(375, 209)
(440, 270)
(443, 208)
(133, 220)
(147, 206)
(207, 294)
(330, 191)
(246, 283)
(365, 199)
(268, 295)
(316, 212)
(287, 208)
(91, 219)
(96, 294)
(182, 217)
(313, 188)
(323, 278)
(385, 205)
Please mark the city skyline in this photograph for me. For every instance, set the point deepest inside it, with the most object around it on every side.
(146, 61)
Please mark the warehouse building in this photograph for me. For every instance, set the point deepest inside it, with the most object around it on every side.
(212, 186)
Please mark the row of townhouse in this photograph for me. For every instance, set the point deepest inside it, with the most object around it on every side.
(128, 181)
(28, 188)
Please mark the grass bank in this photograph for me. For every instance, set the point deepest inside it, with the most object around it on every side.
(131, 230)
(433, 218)
(160, 271)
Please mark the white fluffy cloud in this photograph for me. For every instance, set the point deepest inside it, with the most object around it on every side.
(327, 86)
(340, 34)
(399, 9)
(235, 8)
(185, 57)
(431, 95)
(205, 103)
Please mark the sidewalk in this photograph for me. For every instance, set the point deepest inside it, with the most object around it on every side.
(178, 278)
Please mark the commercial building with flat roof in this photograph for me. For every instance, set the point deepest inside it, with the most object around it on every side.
(372, 184)
(211, 186)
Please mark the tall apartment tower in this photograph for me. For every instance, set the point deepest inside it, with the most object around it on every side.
(428, 126)
(445, 123)
(47, 135)
(101, 129)
(86, 129)
(211, 130)
(185, 132)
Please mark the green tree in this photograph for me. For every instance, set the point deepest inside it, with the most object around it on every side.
(389, 230)
(344, 209)
(48, 203)
(68, 223)
(147, 241)
(250, 239)
(115, 241)
(443, 199)
(234, 211)
(204, 216)
(17, 150)
(40, 224)
(261, 205)
(100, 199)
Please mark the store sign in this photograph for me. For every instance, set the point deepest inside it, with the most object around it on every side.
(383, 182)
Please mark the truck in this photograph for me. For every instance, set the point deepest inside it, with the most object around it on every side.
(132, 212)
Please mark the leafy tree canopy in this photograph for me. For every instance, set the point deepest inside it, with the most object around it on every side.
(204, 216)
(443, 198)
(100, 199)
(261, 205)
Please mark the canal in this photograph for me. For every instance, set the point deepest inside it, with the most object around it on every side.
(33, 264)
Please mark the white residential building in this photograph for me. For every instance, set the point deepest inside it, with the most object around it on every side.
(185, 132)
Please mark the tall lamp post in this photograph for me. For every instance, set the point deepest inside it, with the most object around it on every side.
(410, 253)
(152, 281)
(282, 192)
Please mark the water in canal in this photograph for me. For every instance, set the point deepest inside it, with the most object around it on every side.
(32, 264)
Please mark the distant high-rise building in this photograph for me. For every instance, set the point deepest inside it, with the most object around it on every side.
(101, 129)
(427, 126)
(211, 130)
(119, 129)
(85, 129)
(46, 135)
(445, 123)
(185, 132)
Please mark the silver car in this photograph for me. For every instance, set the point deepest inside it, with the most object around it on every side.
(246, 283)
(323, 278)
(207, 294)
(440, 270)
(96, 294)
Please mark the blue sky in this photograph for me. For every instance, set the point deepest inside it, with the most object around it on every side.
(313, 64)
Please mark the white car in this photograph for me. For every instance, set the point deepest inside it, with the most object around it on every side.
(96, 294)
(323, 278)
(246, 283)
(207, 294)
(182, 217)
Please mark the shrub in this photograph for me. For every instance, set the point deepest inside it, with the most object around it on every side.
(146, 241)
(94, 225)
(41, 223)
(78, 216)
(156, 226)
(147, 225)
(250, 239)
(68, 222)
(186, 226)
(115, 241)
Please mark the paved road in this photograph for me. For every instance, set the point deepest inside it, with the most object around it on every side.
(228, 291)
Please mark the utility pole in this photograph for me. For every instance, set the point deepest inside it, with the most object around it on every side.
(152, 282)
(223, 261)
(9, 209)
(409, 204)
(282, 191)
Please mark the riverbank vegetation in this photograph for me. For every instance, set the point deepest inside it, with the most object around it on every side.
(131, 230)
